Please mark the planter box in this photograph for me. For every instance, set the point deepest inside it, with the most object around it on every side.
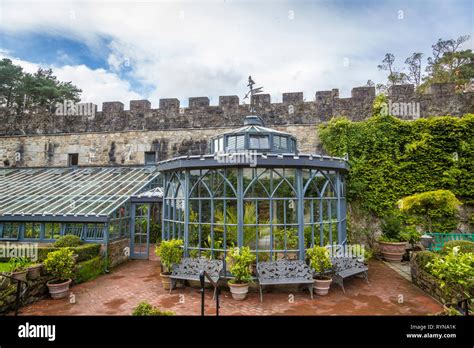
(431, 285)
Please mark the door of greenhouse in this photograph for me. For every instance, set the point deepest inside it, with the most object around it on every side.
(140, 238)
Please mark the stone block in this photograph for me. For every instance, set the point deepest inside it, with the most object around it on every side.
(293, 97)
(140, 105)
(198, 102)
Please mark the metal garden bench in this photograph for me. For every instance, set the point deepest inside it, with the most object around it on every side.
(190, 268)
(345, 267)
(282, 272)
(439, 239)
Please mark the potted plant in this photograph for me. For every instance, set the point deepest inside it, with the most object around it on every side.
(170, 252)
(320, 262)
(391, 243)
(34, 271)
(59, 264)
(19, 267)
(240, 261)
(4, 281)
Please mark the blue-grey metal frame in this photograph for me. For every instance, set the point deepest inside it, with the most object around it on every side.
(301, 206)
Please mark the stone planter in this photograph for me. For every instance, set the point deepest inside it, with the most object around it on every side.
(239, 291)
(165, 280)
(34, 272)
(60, 290)
(392, 251)
(4, 282)
(321, 286)
(20, 275)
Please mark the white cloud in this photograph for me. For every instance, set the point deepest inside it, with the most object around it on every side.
(209, 48)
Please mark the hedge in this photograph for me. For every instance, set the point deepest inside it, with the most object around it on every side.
(392, 158)
(88, 270)
(84, 252)
(465, 246)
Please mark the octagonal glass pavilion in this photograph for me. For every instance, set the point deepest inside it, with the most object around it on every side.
(254, 189)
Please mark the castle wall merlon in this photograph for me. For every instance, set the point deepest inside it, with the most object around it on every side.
(198, 102)
(140, 105)
(112, 107)
(292, 97)
(439, 89)
(261, 99)
(363, 92)
(169, 104)
(229, 101)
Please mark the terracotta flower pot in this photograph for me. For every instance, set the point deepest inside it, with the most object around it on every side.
(60, 290)
(165, 280)
(20, 275)
(239, 291)
(34, 272)
(392, 251)
(321, 285)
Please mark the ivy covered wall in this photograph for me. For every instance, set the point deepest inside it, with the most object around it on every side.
(392, 158)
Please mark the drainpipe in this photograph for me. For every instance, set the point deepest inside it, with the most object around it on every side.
(106, 254)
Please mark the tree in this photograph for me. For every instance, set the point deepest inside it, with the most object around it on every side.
(450, 64)
(430, 205)
(414, 66)
(10, 79)
(22, 90)
(394, 77)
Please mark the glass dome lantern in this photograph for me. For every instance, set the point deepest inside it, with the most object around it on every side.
(253, 136)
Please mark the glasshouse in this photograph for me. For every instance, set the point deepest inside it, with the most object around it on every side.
(98, 204)
(254, 189)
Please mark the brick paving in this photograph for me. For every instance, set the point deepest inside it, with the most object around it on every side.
(118, 292)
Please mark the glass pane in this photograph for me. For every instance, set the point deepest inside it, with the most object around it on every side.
(32, 230)
(240, 145)
(231, 143)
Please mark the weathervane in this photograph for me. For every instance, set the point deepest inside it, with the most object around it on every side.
(252, 91)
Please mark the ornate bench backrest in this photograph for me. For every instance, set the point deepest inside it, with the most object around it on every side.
(284, 269)
(343, 263)
(192, 266)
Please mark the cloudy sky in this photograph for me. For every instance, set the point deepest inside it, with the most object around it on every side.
(123, 50)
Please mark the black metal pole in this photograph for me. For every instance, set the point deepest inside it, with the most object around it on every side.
(217, 301)
(201, 278)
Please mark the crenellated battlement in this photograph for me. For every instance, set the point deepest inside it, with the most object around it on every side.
(294, 108)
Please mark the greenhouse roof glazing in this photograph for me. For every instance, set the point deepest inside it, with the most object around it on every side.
(49, 193)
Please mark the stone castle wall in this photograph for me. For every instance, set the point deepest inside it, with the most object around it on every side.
(118, 136)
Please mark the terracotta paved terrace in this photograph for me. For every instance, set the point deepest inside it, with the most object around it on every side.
(118, 292)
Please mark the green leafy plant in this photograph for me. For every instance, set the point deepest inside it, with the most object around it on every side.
(410, 234)
(319, 260)
(430, 205)
(425, 257)
(455, 268)
(68, 240)
(146, 309)
(170, 252)
(240, 260)
(19, 264)
(391, 229)
(465, 246)
(60, 265)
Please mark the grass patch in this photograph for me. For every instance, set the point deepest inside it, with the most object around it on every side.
(4, 267)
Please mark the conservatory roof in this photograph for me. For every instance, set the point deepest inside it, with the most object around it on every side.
(80, 193)
(260, 160)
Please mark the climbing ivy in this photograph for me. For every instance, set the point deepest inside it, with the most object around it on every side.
(391, 158)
